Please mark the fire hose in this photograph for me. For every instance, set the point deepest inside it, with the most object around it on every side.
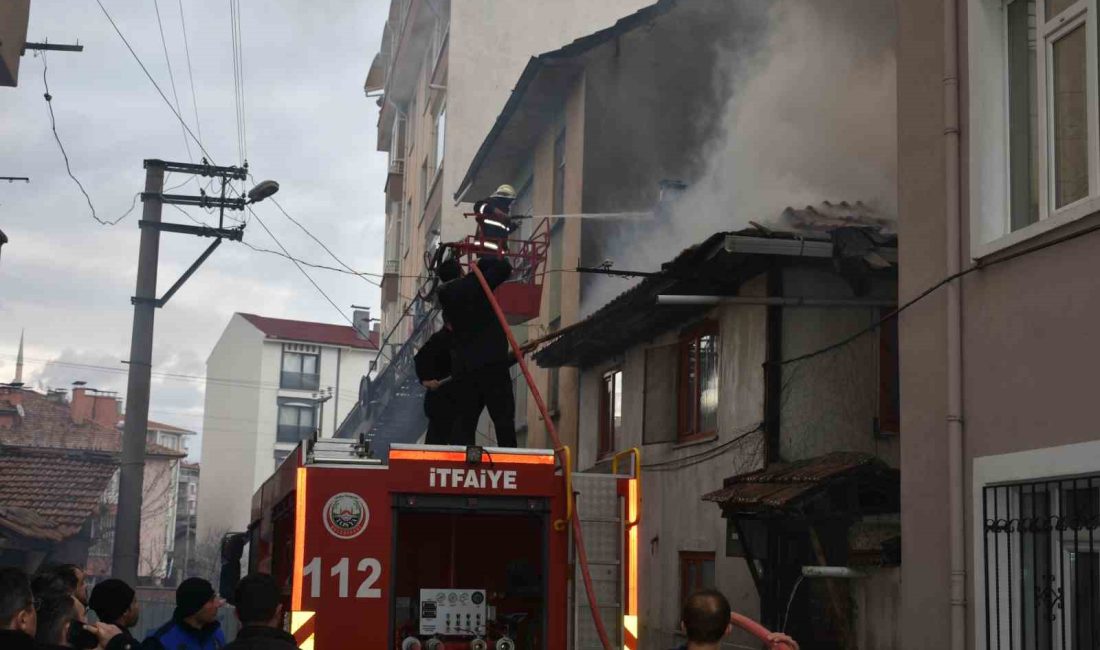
(578, 536)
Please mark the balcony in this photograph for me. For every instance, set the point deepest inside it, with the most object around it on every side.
(293, 433)
(390, 281)
(395, 179)
(299, 380)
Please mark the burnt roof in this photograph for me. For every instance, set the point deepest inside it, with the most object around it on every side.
(716, 266)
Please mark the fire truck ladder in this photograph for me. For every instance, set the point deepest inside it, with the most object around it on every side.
(594, 605)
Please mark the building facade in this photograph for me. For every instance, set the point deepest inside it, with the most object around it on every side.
(443, 73)
(271, 383)
(1000, 180)
(187, 510)
(691, 386)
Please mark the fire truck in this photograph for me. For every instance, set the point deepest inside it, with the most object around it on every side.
(454, 548)
(448, 547)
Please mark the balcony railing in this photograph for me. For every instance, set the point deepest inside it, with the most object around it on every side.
(299, 380)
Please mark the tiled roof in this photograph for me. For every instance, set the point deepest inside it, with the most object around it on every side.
(49, 424)
(297, 330)
(50, 493)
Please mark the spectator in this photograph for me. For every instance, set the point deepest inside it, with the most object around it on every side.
(61, 579)
(194, 624)
(18, 617)
(114, 602)
(61, 624)
(260, 614)
(705, 619)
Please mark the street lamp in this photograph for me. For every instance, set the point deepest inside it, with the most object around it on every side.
(263, 190)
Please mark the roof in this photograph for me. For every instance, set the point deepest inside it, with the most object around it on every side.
(309, 332)
(50, 493)
(48, 424)
(160, 426)
(717, 266)
(793, 487)
(543, 68)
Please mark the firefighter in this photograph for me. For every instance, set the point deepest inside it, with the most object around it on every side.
(433, 369)
(494, 215)
(705, 620)
(480, 359)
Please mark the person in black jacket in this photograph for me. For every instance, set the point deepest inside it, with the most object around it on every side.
(433, 366)
(18, 616)
(115, 602)
(480, 357)
(260, 613)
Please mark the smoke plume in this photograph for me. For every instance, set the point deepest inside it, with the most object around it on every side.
(810, 116)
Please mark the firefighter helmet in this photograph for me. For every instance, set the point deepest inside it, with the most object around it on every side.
(504, 192)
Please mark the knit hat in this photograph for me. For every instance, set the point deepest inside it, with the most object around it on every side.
(110, 599)
(192, 595)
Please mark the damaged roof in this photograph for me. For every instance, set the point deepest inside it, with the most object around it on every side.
(792, 487)
(716, 266)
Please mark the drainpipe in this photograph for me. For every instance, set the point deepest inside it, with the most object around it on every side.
(952, 213)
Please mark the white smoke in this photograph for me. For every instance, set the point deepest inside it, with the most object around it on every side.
(812, 117)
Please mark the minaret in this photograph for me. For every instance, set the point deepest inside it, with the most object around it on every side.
(19, 362)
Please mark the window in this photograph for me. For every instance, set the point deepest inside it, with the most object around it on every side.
(1041, 548)
(696, 572)
(559, 174)
(611, 412)
(889, 386)
(297, 419)
(426, 176)
(698, 381)
(406, 227)
(440, 136)
(1035, 153)
(301, 365)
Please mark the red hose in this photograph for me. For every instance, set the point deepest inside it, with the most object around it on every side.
(578, 537)
(752, 627)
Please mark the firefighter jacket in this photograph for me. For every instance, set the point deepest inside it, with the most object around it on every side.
(479, 340)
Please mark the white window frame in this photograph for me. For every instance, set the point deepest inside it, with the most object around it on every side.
(989, 156)
(1048, 463)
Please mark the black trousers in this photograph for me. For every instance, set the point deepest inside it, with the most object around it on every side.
(442, 411)
(487, 388)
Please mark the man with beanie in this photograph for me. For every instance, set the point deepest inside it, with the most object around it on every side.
(260, 614)
(194, 624)
(114, 602)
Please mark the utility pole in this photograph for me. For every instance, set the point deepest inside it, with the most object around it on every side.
(145, 301)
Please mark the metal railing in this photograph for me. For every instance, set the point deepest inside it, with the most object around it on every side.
(1041, 552)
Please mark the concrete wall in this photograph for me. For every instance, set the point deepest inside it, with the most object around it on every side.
(14, 15)
(230, 422)
(830, 402)
(1028, 347)
(160, 489)
(674, 518)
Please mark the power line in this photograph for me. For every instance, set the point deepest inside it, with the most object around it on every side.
(696, 459)
(240, 63)
(299, 266)
(65, 155)
(153, 81)
(321, 243)
(171, 77)
(190, 74)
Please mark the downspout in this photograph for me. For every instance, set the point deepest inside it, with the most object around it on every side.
(952, 213)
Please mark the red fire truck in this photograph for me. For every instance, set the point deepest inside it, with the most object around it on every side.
(446, 548)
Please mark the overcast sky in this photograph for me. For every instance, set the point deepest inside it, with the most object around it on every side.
(68, 280)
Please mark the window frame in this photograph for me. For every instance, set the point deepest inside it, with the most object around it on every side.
(301, 405)
(989, 135)
(695, 559)
(608, 430)
(283, 372)
(688, 410)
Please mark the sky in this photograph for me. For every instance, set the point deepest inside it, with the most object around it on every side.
(67, 280)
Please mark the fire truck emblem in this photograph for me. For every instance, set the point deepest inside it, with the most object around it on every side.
(346, 515)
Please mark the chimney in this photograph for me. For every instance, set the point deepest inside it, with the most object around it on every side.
(11, 405)
(361, 318)
(90, 404)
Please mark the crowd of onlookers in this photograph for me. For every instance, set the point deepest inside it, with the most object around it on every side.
(50, 610)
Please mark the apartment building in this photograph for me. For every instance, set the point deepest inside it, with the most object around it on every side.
(1000, 180)
(443, 73)
(270, 383)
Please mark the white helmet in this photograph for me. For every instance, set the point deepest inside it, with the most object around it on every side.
(504, 192)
